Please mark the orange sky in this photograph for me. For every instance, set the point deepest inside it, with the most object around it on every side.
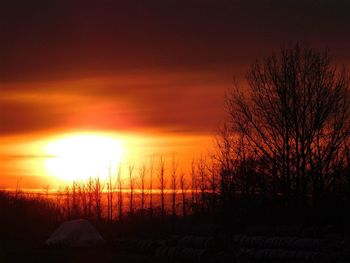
(151, 73)
(155, 113)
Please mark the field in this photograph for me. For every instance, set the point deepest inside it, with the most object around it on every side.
(204, 243)
(250, 231)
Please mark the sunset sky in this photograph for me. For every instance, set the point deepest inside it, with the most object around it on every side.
(149, 76)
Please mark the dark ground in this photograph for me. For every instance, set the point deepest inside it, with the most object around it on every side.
(261, 235)
(202, 243)
(73, 256)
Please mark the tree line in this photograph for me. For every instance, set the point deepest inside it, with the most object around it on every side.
(160, 189)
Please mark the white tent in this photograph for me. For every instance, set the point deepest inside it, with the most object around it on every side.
(76, 233)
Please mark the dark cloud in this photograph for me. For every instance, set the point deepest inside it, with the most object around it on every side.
(59, 39)
(24, 117)
(172, 102)
(170, 61)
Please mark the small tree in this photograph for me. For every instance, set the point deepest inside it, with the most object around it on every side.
(131, 186)
(143, 182)
(89, 189)
(98, 189)
(194, 187)
(202, 173)
(151, 186)
(68, 202)
(161, 178)
(75, 200)
(110, 195)
(213, 171)
(183, 193)
(174, 168)
(120, 193)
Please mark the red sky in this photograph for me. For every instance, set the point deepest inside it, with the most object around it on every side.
(149, 67)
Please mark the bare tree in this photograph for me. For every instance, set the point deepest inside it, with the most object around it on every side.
(110, 195)
(47, 190)
(183, 193)
(162, 186)
(226, 142)
(89, 189)
(143, 182)
(83, 198)
(202, 173)
(120, 193)
(98, 189)
(213, 171)
(75, 200)
(68, 202)
(174, 168)
(131, 187)
(18, 189)
(294, 116)
(194, 187)
(151, 186)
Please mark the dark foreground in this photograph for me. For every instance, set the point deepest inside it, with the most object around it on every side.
(245, 232)
(204, 243)
(76, 255)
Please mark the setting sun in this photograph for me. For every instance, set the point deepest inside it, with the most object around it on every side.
(78, 157)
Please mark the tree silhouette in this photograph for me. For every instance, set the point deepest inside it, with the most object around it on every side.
(174, 179)
(120, 193)
(161, 178)
(131, 186)
(142, 174)
(183, 193)
(294, 116)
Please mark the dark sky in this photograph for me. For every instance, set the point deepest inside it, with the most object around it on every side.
(144, 64)
(54, 39)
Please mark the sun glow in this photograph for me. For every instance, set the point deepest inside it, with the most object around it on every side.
(81, 156)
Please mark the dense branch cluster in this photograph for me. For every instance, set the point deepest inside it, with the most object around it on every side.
(287, 134)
